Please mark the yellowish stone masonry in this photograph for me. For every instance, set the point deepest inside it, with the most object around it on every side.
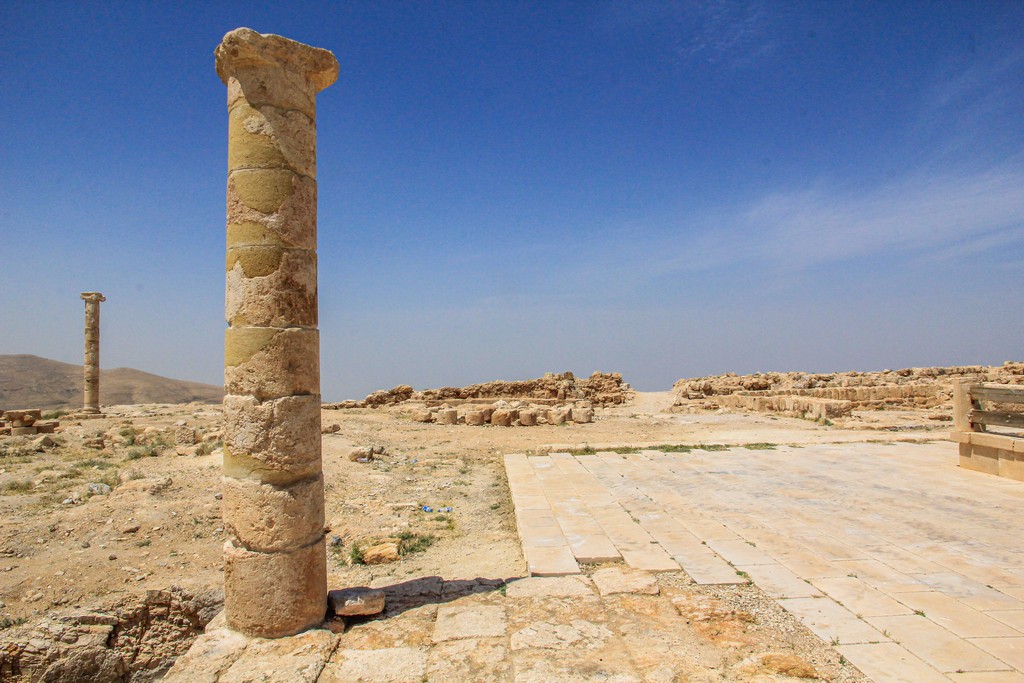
(275, 570)
(91, 367)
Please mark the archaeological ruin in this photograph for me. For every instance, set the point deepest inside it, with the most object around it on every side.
(91, 375)
(275, 576)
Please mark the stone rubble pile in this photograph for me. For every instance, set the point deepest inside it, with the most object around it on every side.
(25, 423)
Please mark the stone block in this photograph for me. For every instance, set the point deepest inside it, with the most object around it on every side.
(527, 418)
(501, 418)
(422, 416)
(474, 418)
(356, 602)
(23, 431)
(583, 415)
(23, 418)
(448, 416)
(382, 553)
(292, 225)
(558, 416)
(271, 595)
(269, 137)
(277, 439)
(271, 287)
(46, 427)
(185, 436)
(268, 362)
(268, 518)
(263, 190)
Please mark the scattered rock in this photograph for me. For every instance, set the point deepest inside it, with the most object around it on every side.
(332, 428)
(381, 553)
(98, 488)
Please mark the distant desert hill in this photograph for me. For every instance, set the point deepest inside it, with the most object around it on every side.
(32, 382)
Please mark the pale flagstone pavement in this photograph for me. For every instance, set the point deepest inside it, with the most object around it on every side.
(910, 566)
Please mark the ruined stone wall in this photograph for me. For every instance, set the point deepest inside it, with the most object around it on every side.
(910, 387)
(601, 389)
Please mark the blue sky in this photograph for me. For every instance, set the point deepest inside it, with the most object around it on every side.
(664, 189)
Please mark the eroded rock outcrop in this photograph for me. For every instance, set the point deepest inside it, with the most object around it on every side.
(132, 640)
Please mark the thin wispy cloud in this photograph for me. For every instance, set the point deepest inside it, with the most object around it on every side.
(910, 218)
(731, 33)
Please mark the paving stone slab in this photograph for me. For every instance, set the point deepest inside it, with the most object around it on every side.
(298, 659)
(548, 587)
(890, 663)
(988, 677)
(953, 615)
(556, 561)
(612, 580)
(457, 621)
(710, 570)
(831, 622)
(739, 551)
(778, 581)
(935, 645)
(969, 591)
(1009, 650)
(860, 598)
(387, 665)
(481, 660)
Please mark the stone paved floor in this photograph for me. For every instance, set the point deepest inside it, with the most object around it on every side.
(910, 566)
(615, 624)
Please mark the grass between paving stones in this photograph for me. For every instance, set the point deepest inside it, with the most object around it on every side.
(671, 448)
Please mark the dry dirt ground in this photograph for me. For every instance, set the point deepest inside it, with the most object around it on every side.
(66, 545)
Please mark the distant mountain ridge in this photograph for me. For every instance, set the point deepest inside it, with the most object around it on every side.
(28, 381)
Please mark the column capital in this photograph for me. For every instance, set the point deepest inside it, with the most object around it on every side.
(93, 296)
(273, 70)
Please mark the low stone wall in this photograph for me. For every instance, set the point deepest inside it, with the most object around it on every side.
(505, 414)
(991, 453)
(924, 395)
(793, 406)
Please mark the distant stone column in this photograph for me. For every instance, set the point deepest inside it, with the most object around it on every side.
(91, 374)
(275, 565)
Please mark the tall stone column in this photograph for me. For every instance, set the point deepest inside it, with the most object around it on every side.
(91, 374)
(275, 565)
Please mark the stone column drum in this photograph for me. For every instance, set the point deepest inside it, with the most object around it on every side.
(275, 566)
(91, 371)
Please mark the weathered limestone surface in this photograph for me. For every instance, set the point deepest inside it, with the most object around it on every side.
(275, 561)
(91, 398)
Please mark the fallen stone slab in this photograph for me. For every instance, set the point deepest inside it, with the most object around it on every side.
(356, 602)
(612, 581)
